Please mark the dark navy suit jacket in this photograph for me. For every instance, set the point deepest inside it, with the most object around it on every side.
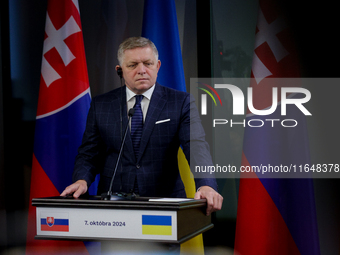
(156, 167)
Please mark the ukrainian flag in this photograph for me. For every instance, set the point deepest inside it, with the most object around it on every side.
(160, 26)
(156, 225)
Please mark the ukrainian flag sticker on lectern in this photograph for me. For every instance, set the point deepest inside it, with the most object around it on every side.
(156, 225)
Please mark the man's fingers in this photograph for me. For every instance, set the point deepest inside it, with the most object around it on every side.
(80, 191)
(63, 193)
(210, 205)
(214, 199)
(197, 195)
(78, 188)
(77, 193)
(213, 204)
(69, 190)
(217, 201)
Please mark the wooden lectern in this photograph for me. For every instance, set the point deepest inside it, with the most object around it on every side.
(168, 220)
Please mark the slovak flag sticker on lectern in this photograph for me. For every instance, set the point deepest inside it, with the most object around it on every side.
(55, 222)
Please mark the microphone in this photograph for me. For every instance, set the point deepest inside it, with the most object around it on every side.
(118, 196)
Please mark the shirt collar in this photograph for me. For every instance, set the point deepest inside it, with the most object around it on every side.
(130, 94)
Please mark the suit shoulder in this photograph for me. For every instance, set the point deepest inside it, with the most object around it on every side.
(173, 92)
(109, 96)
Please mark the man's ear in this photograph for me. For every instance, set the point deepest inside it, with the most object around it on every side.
(158, 65)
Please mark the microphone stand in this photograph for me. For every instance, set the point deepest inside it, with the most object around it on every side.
(119, 196)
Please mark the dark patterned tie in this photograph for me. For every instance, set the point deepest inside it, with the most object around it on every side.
(137, 125)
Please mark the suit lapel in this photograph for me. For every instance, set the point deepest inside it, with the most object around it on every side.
(156, 105)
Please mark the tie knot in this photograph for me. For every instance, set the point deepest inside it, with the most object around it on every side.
(139, 98)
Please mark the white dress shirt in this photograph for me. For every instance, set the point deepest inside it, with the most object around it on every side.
(131, 100)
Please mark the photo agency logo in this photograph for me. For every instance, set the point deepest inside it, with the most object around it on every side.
(283, 103)
(204, 97)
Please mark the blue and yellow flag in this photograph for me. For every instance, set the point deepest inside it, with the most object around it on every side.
(160, 26)
(156, 225)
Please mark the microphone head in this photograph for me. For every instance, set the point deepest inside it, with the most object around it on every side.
(131, 112)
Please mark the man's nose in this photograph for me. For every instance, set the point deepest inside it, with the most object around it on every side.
(141, 68)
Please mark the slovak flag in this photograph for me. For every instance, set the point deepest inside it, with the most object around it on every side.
(275, 215)
(64, 101)
(53, 224)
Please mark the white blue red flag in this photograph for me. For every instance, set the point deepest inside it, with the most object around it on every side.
(275, 216)
(64, 101)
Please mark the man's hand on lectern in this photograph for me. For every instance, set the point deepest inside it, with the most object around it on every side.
(214, 199)
(78, 188)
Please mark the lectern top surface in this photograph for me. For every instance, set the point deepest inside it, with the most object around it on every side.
(136, 203)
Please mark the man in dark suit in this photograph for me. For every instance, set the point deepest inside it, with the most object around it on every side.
(166, 118)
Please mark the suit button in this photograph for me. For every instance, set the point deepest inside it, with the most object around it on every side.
(138, 166)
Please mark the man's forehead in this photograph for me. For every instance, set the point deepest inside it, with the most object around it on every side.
(139, 54)
(138, 59)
